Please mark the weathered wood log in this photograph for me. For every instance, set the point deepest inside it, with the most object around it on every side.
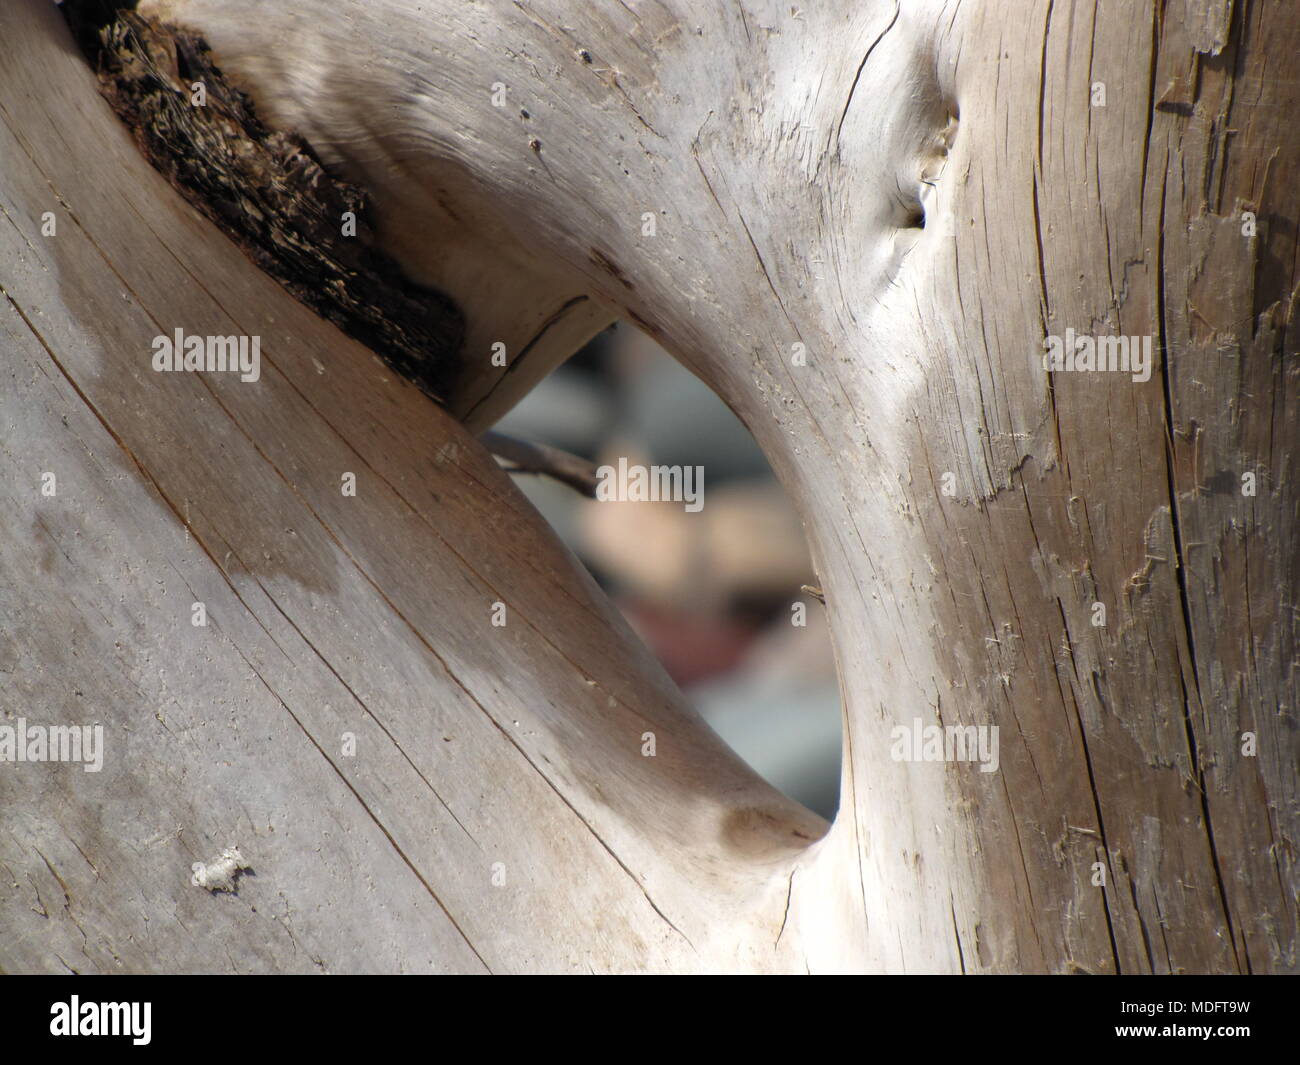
(859, 224)
(494, 792)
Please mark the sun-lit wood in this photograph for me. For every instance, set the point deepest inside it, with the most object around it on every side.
(857, 222)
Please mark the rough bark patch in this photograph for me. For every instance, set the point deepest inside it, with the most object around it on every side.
(270, 194)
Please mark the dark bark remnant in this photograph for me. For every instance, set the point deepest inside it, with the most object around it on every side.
(268, 192)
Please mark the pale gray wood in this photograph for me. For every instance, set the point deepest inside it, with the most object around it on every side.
(786, 155)
(372, 615)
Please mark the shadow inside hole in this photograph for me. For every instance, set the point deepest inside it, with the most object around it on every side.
(714, 591)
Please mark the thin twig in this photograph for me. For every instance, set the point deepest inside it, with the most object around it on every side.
(527, 457)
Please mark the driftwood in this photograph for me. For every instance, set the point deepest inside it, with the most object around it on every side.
(866, 220)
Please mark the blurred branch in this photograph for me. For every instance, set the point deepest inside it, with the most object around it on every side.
(526, 457)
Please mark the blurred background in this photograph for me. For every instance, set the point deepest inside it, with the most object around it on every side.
(709, 592)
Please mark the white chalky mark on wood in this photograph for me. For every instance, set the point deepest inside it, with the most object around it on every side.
(221, 873)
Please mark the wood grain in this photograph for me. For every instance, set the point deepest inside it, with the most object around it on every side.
(868, 217)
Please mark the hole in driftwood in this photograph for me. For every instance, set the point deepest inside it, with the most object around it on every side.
(715, 592)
